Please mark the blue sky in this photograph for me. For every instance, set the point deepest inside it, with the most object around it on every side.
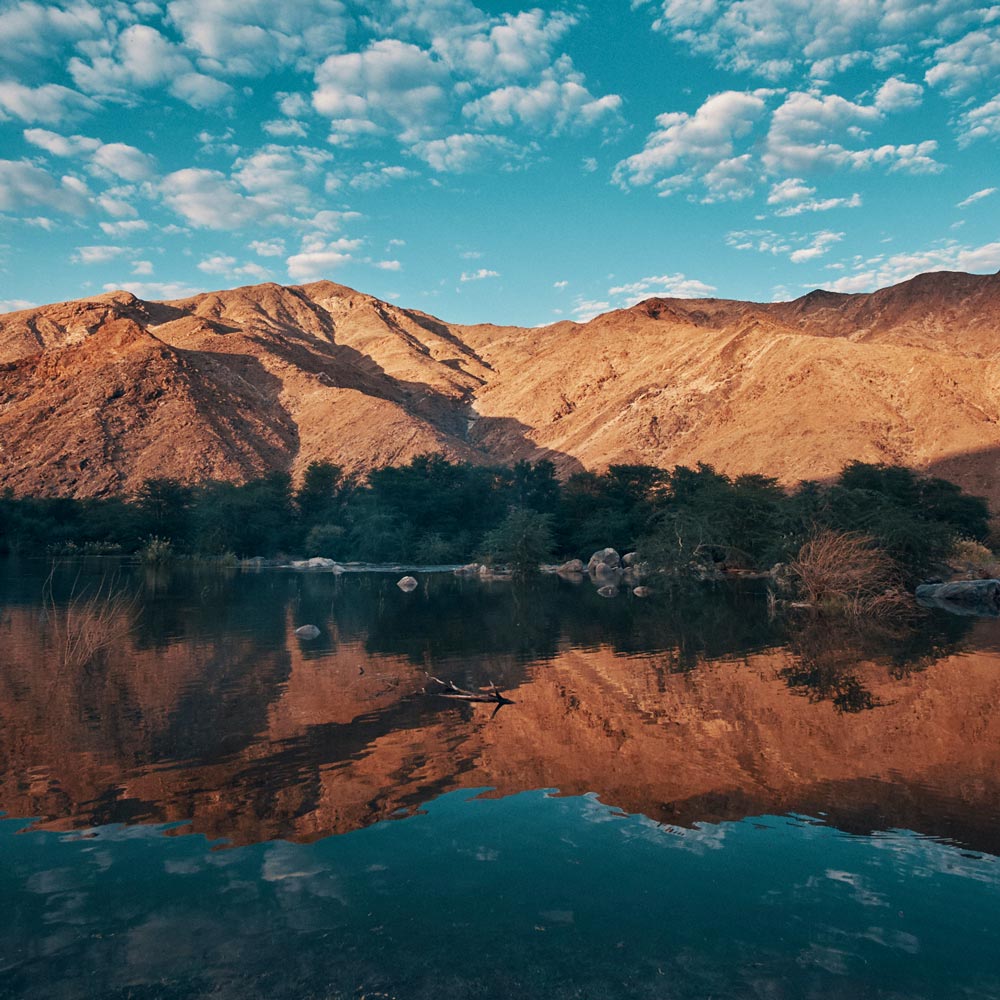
(496, 162)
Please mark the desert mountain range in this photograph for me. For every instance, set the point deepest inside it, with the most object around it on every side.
(98, 394)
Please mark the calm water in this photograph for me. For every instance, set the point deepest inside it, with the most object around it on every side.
(685, 800)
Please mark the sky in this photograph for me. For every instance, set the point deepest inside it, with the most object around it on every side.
(492, 162)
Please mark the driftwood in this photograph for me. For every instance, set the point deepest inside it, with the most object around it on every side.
(490, 695)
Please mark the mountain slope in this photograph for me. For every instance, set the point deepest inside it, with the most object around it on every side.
(96, 395)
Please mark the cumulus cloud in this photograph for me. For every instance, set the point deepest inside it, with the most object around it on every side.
(34, 32)
(809, 131)
(156, 291)
(877, 272)
(797, 247)
(467, 151)
(388, 83)
(250, 37)
(141, 58)
(692, 140)
(114, 159)
(50, 103)
(96, 254)
(318, 258)
(980, 122)
(558, 102)
(676, 286)
(479, 275)
(898, 95)
(773, 38)
(208, 199)
(961, 66)
(25, 185)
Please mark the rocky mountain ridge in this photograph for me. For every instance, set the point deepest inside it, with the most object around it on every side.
(98, 394)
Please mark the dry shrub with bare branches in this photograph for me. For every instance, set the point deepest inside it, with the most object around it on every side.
(88, 621)
(846, 571)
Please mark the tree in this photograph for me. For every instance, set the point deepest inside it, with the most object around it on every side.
(523, 540)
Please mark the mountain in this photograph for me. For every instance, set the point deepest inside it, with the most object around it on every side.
(98, 394)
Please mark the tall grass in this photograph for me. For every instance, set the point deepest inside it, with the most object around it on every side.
(847, 572)
(89, 621)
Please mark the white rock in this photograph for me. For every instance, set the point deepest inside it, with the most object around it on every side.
(307, 632)
(406, 584)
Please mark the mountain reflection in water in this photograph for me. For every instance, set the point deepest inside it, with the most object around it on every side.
(688, 708)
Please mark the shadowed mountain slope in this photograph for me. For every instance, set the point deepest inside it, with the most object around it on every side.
(98, 394)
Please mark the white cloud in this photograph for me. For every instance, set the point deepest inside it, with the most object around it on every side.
(389, 265)
(820, 245)
(49, 103)
(317, 258)
(268, 248)
(805, 130)
(898, 95)
(479, 275)
(377, 176)
(980, 123)
(680, 140)
(558, 102)
(878, 272)
(15, 305)
(156, 291)
(795, 197)
(467, 151)
(798, 247)
(24, 185)
(250, 37)
(286, 128)
(139, 58)
(142, 268)
(586, 309)
(560, 285)
(510, 47)
(96, 254)
(33, 33)
(960, 67)
(977, 196)
(124, 228)
(200, 91)
(116, 158)
(229, 267)
(773, 38)
(389, 83)
(208, 199)
(676, 286)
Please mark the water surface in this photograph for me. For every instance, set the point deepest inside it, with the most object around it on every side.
(687, 798)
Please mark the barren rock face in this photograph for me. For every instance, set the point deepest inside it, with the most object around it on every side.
(96, 395)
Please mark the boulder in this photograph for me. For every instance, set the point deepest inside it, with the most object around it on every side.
(641, 591)
(307, 632)
(571, 567)
(608, 591)
(407, 584)
(603, 557)
(629, 558)
(470, 569)
(319, 562)
(962, 597)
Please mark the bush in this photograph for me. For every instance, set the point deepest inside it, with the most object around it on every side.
(156, 551)
(522, 541)
(324, 540)
(848, 572)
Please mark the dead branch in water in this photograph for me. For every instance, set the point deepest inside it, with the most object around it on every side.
(491, 695)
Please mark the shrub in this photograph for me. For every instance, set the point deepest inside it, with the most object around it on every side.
(846, 571)
(156, 551)
(523, 540)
